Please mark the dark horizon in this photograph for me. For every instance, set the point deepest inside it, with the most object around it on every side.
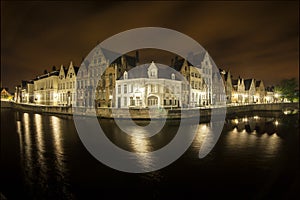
(251, 39)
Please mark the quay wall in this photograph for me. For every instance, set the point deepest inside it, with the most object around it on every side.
(145, 113)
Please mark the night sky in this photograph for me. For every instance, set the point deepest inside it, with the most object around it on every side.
(252, 39)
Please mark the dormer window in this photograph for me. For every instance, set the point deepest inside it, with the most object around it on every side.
(125, 75)
(173, 76)
(152, 70)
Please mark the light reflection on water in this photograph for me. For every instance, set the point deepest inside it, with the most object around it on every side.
(141, 146)
(44, 159)
(42, 156)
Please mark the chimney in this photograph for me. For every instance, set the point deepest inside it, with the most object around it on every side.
(123, 61)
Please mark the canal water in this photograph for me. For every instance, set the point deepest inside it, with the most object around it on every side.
(256, 157)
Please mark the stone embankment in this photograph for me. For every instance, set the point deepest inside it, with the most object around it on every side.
(144, 113)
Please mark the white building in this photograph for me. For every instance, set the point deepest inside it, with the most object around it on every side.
(149, 87)
(45, 89)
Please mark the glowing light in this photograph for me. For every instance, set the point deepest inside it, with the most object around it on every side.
(245, 119)
(286, 112)
(256, 117)
(38, 97)
(276, 95)
(236, 121)
(276, 123)
(55, 95)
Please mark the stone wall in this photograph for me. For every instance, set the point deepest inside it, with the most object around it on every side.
(205, 113)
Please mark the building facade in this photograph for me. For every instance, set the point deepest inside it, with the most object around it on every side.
(238, 91)
(149, 90)
(67, 85)
(46, 89)
(260, 92)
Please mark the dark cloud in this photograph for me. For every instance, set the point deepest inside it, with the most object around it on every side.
(252, 39)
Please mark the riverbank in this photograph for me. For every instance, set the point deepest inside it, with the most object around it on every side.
(144, 113)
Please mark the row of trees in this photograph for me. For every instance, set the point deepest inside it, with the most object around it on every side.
(289, 89)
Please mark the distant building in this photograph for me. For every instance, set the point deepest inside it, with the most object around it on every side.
(260, 92)
(249, 90)
(228, 85)
(27, 92)
(269, 97)
(5, 95)
(238, 92)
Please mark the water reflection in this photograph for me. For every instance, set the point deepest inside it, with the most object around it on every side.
(246, 134)
(203, 130)
(57, 138)
(141, 146)
(46, 143)
(257, 133)
(42, 156)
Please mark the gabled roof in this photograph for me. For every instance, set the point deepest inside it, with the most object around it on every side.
(130, 60)
(257, 83)
(178, 63)
(197, 58)
(224, 74)
(247, 83)
(108, 54)
(234, 81)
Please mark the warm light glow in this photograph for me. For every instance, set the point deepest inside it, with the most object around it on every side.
(38, 97)
(57, 136)
(276, 95)
(286, 112)
(203, 131)
(27, 135)
(256, 117)
(39, 132)
(55, 95)
(276, 122)
(141, 146)
(245, 119)
(236, 121)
